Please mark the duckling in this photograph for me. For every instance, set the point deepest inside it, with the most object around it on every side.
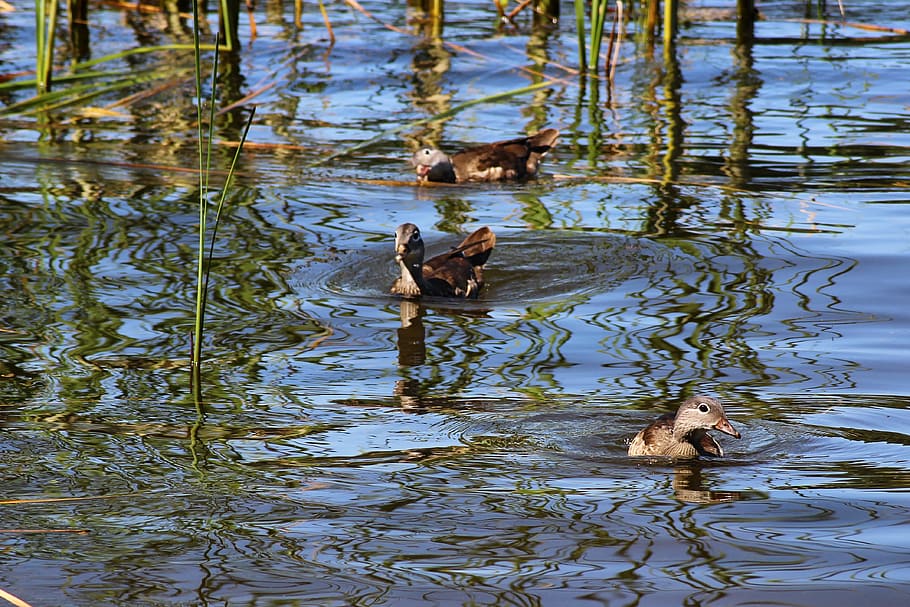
(458, 273)
(684, 435)
(512, 159)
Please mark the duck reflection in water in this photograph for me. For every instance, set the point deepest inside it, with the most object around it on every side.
(412, 352)
(690, 487)
(412, 346)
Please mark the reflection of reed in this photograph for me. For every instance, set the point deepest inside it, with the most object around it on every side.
(702, 324)
(459, 347)
(78, 30)
(473, 524)
(536, 340)
(747, 86)
(429, 17)
(660, 318)
(431, 62)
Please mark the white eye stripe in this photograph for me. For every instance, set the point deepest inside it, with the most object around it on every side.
(704, 408)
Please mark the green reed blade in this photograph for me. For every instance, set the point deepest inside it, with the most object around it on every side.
(39, 42)
(227, 22)
(73, 95)
(441, 116)
(45, 76)
(598, 16)
(12, 85)
(580, 28)
(45, 26)
(224, 191)
(196, 358)
(137, 51)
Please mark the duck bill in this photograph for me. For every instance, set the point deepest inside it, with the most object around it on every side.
(724, 426)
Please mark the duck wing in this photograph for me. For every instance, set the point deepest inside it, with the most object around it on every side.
(510, 159)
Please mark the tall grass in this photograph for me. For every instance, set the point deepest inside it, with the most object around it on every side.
(45, 26)
(598, 18)
(205, 138)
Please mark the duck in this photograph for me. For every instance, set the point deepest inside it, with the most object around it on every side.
(457, 273)
(685, 434)
(498, 161)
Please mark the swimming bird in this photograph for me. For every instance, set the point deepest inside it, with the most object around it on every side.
(457, 273)
(685, 434)
(512, 159)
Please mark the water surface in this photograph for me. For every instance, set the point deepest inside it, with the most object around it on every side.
(730, 224)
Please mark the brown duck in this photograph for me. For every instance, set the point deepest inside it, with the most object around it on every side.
(458, 273)
(685, 435)
(512, 159)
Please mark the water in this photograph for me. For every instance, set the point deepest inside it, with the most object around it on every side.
(738, 230)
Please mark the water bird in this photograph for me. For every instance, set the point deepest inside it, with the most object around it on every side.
(685, 434)
(457, 273)
(511, 159)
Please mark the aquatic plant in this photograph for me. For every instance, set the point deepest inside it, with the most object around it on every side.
(204, 140)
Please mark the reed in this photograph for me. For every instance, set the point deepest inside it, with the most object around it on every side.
(204, 139)
(228, 20)
(580, 30)
(204, 150)
(598, 18)
(45, 26)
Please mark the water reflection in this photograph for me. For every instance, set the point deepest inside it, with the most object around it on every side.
(430, 66)
(689, 486)
(747, 86)
(412, 348)
(675, 310)
(354, 449)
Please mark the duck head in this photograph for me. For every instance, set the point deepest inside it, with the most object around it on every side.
(702, 413)
(433, 165)
(409, 249)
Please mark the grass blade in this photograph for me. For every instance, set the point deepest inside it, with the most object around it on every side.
(196, 357)
(580, 27)
(441, 116)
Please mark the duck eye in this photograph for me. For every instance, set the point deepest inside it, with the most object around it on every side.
(704, 408)
(415, 235)
(426, 151)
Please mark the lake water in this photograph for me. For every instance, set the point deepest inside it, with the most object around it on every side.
(732, 223)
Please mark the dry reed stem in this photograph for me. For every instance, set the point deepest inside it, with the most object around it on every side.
(860, 26)
(11, 598)
(246, 98)
(79, 531)
(53, 500)
(614, 58)
(328, 23)
(252, 18)
(521, 6)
